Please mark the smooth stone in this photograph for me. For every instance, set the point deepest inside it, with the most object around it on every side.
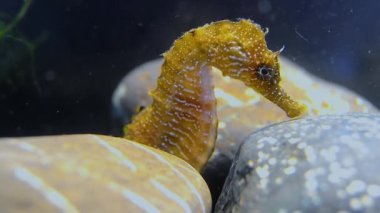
(95, 173)
(240, 110)
(324, 164)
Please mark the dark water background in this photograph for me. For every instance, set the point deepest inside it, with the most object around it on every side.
(86, 46)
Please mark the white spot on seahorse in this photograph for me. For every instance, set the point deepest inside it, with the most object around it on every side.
(52, 195)
(124, 160)
(171, 195)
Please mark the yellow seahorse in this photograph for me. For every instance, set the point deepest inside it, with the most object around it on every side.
(182, 119)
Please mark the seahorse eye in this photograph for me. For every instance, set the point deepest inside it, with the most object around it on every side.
(265, 72)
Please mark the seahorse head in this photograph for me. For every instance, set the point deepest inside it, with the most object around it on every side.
(246, 57)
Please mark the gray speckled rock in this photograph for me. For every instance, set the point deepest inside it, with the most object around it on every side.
(324, 164)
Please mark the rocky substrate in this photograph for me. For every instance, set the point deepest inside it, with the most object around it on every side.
(318, 163)
(324, 164)
(241, 110)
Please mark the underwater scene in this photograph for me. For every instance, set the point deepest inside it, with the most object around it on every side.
(189, 106)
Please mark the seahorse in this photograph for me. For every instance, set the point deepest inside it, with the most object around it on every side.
(182, 118)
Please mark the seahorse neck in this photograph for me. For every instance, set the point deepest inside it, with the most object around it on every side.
(182, 118)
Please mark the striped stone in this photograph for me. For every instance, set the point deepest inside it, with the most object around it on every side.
(95, 173)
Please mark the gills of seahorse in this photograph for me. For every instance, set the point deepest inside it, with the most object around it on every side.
(182, 119)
